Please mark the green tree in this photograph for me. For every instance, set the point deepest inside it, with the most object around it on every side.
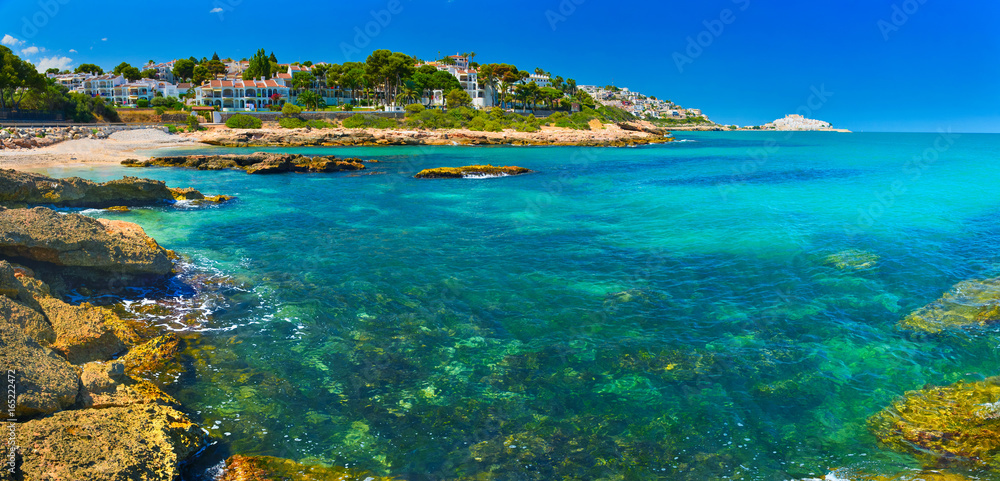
(272, 58)
(259, 66)
(183, 69)
(89, 68)
(388, 70)
(215, 67)
(121, 68)
(53, 70)
(148, 73)
(571, 87)
(409, 92)
(448, 61)
(131, 73)
(17, 78)
(201, 74)
(353, 80)
(309, 99)
(215, 56)
(303, 80)
(458, 98)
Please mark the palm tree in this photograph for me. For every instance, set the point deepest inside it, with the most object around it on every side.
(408, 91)
(310, 99)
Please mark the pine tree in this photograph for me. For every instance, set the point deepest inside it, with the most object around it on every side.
(272, 58)
(215, 56)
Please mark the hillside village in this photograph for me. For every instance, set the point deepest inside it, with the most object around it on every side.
(230, 89)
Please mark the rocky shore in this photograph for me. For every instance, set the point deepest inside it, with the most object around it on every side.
(255, 163)
(84, 405)
(610, 135)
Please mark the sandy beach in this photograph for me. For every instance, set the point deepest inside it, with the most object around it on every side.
(116, 148)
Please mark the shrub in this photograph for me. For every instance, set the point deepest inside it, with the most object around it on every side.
(240, 121)
(478, 124)
(319, 124)
(192, 123)
(414, 109)
(274, 108)
(358, 121)
(493, 126)
(290, 122)
(348, 108)
(291, 110)
(142, 103)
(171, 128)
(159, 110)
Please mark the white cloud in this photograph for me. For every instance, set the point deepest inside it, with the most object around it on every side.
(105, 39)
(215, 10)
(72, 50)
(10, 41)
(62, 63)
(31, 50)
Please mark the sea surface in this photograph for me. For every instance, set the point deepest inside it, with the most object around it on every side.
(661, 312)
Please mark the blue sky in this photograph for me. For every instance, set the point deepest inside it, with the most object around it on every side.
(872, 65)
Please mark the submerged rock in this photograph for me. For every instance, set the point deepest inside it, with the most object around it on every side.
(471, 171)
(266, 468)
(45, 382)
(18, 187)
(139, 442)
(972, 303)
(255, 163)
(959, 423)
(855, 259)
(43, 235)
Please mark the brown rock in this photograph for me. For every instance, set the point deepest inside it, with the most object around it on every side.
(186, 194)
(44, 382)
(267, 468)
(18, 187)
(86, 333)
(106, 385)
(41, 234)
(139, 442)
(30, 321)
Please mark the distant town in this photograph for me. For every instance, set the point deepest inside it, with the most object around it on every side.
(263, 84)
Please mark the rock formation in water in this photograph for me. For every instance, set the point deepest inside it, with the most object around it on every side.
(471, 171)
(971, 303)
(943, 426)
(25, 188)
(255, 163)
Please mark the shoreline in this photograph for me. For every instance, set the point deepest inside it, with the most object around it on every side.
(125, 145)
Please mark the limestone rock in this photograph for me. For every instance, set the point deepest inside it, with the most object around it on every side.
(139, 442)
(106, 385)
(18, 187)
(471, 171)
(86, 333)
(41, 234)
(30, 321)
(972, 303)
(956, 424)
(45, 382)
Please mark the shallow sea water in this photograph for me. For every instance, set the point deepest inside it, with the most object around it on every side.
(662, 312)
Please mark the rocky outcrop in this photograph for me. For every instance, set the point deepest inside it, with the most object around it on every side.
(471, 171)
(611, 137)
(972, 303)
(255, 163)
(26, 188)
(86, 333)
(106, 384)
(45, 382)
(137, 442)
(956, 424)
(43, 235)
(266, 468)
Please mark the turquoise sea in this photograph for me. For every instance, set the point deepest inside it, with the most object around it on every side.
(661, 312)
